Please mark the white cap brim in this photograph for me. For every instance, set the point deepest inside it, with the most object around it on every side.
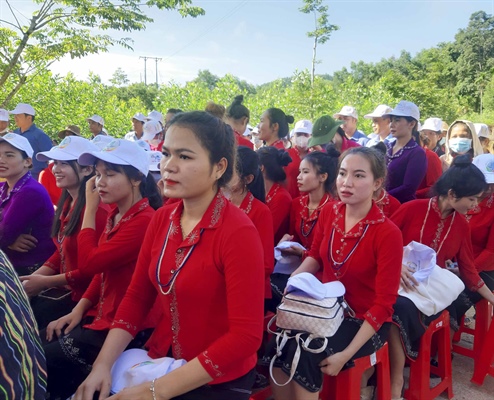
(56, 154)
(92, 157)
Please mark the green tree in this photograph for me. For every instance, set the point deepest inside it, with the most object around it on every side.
(119, 78)
(322, 28)
(69, 27)
(474, 47)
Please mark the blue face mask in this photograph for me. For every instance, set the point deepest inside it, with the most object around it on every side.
(460, 145)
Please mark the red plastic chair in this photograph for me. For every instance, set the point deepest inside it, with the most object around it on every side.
(420, 369)
(346, 385)
(482, 322)
(485, 359)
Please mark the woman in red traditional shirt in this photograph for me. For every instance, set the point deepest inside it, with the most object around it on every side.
(273, 127)
(74, 340)
(300, 138)
(278, 199)
(357, 245)
(55, 273)
(317, 179)
(237, 116)
(439, 223)
(202, 259)
(247, 193)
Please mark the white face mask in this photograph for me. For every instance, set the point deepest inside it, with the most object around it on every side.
(460, 145)
(301, 141)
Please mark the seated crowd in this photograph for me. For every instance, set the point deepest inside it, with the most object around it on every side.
(159, 248)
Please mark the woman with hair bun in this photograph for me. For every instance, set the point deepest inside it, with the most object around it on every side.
(439, 223)
(273, 127)
(277, 198)
(201, 262)
(238, 116)
(247, 193)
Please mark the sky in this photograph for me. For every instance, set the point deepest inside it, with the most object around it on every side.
(262, 40)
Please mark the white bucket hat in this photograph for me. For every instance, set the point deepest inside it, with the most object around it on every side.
(19, 142)
(485, 162)
(432, 124)
(381, 109)
(405, 109)
(69, 149)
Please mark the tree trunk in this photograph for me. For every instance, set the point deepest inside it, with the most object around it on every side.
(314, 51)
(13, 92)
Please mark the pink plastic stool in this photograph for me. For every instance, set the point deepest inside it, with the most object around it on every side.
(346, 385)
(420, 369)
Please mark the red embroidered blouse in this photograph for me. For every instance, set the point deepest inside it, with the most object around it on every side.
(241, 141)
(214, 310)
(279, 144)
(65, 259)
(367, 260)
(292, 171)
(432, 174)
(279, 203)
(112, 260)
(449, 237)
(259, 214)
(481, 220)
(388, 204)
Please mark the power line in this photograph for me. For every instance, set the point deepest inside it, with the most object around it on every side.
(156, 59)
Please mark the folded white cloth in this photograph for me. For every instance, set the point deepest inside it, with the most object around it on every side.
(307, 284)
(421, 258)
(134, 367)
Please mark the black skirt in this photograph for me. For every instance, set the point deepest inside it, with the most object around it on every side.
(308, 373)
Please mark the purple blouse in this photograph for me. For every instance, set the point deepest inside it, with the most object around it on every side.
(406, 170)
(26, 209)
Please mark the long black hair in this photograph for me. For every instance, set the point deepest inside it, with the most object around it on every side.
(72, 226)
(273, 160)
(248, 164)
(147, 185)
(325, 163)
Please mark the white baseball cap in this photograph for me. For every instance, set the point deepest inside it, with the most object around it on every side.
(19, 142)
(303, 126)
(102, 140)
(155, 115)
(139, 117)
(120, 152)
(150, 129)
(154, 160)
(4, 115)
(432, 124)
(347, 111)
(482, 130)
(381, 109)
(255, 131)
(70, 148)
(23, 108)
(485, 162)
(143, 144)
(97, 119)
(405, 109)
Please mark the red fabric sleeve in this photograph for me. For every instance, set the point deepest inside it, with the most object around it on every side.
(292, 230)
(485, 260)
(47, 179)
(389, 250)
(433, 173)
(54, 261)
(319, 234)
(93, 291)
(466, 266)
(280, 210)
(96, 258)
(244, 277)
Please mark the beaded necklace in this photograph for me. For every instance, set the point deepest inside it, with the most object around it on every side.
(302, 222)
(425, 220)
(336, 266)
(270, 197)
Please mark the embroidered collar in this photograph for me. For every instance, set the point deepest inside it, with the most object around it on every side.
(135, 209)
(305, 212)
(272, 192)
(4, 196)
(389, 153)
(435, 207)
(210, 220)
(246, 205)
(488, 202)
(373, 217)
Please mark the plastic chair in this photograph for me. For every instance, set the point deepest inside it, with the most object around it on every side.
(483, 320)
(346, 385)
(420, 369)
(485, 358)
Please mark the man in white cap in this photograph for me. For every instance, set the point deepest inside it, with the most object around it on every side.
(349, 115)
(4, 122)
(431, 129)
(380, 126)
(24, 115)
(96, 124)
(138, 121)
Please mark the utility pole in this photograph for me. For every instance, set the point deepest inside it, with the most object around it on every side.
(156, 59)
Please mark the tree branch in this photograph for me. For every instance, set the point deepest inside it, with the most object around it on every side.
(22, 81)
(15, 16)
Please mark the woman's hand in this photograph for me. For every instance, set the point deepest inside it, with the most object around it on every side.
(70, 320)
(286, 238)
(137, 392)
(452, 267)
(92, 196)
(408, 282)
(333, 364)
(99, 380)
(24, 243)
(34, 284)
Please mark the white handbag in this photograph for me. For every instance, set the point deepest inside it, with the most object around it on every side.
(437, 288)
